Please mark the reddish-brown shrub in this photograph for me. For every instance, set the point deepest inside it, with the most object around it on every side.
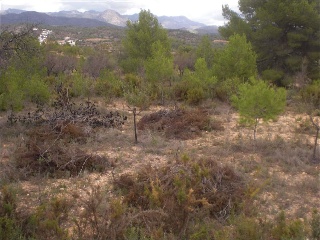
(180, 124)
(185, 191)
(48, 151)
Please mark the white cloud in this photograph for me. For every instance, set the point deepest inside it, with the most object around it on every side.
(41, 6)
(208, 12)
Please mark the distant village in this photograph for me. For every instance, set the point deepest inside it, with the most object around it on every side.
(45, 33)
(43, 37)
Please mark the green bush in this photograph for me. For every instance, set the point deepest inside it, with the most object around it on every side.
(247, 229)
(131, 65)
(37, 91)
(311, 94)
(201, 234)
(315, 225)
(109, 86)
(190, 89)
(11, 90)
(132, 81)
(226, 88)
(138, 98)
(180, 90)
(81, 86)
(195, 95)
(9, 229)
(284, 230)
(46, 221)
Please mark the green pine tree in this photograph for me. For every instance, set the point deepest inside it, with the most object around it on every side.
(256, 100)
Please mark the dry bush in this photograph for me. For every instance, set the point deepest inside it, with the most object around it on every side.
(186, 191)
(305, 126)
(179, 124)
(49, 151)
(109, 218)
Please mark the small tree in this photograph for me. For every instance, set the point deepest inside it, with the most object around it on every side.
(140, 37)
(159, 68)
(256, 100)
(184, 59)
(205, 50)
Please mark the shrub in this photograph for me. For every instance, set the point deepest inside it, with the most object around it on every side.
(285, 230)
(311, 94)
(48, 152)
(131, 82)
(138, 98)
(131, 65)
(180, 124)
(180, 90)
(46, 222)
(109, 86)
(190, 89)
(37, 90)
(315, 225)
(226, 88)
(81, 86)
(247, 229)
(9, 226)
(195, 95)
(11, 90)
(187, 191)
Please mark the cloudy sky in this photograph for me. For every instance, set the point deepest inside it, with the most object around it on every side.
(205, 11)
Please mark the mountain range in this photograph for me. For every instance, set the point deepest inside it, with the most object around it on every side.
(96, 19)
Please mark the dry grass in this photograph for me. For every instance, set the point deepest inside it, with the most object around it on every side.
(276, 168)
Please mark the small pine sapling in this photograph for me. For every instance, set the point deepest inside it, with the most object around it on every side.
(256, 100)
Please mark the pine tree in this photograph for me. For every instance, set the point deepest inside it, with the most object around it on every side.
(256, 100)
(283, 33)
(141, 35)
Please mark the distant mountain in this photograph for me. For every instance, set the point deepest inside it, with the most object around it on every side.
(12, 10)
(45, 19)
(94, 19)
(133, 17)
(113, 17)
(208, 30)
(179, 22)
(77, 14)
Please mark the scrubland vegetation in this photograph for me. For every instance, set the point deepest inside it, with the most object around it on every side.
(227, 136)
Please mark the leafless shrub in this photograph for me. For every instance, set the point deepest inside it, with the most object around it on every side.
(47, 151)
(66, 110)
(180, 124)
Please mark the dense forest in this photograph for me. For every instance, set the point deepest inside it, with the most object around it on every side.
(54, 98)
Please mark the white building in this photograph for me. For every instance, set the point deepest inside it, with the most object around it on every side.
(44, 35)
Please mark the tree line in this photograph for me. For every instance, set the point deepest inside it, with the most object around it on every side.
(269, 51)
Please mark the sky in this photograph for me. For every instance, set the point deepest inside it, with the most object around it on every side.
(208, 12)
